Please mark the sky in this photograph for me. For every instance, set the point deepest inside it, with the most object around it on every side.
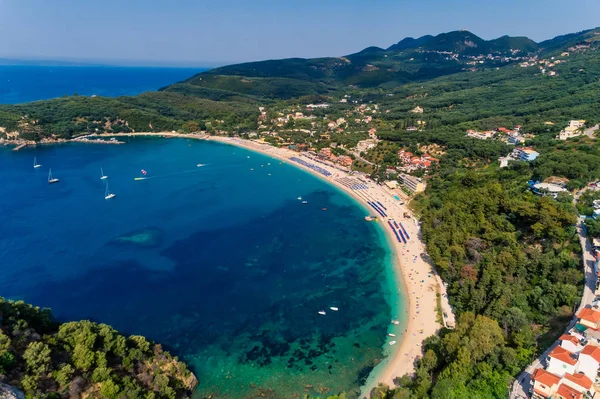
(209, 33)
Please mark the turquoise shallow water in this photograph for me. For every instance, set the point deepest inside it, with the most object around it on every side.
(222, 264)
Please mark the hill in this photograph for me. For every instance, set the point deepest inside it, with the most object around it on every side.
(410, 60)
(47, 359)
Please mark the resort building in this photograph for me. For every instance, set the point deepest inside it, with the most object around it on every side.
(548, 189)
(573, 130)
(366, 145)
(412, 183)
(526, 154)
(480, 135)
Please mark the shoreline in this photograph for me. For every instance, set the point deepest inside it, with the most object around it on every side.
(415, 285)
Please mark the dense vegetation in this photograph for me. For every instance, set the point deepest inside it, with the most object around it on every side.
(46, 359)
(512, 264)
(510, 259)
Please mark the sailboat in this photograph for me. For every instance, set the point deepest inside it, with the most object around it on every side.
(50, 178)
(35, 164)
(108, 194)
(102, 175)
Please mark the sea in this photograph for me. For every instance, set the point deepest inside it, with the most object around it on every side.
(213, 254)
(25, 83)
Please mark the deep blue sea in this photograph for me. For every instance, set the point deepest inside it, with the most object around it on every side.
(221, 264)
(24, 83)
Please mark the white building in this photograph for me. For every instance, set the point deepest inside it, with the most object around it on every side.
(589, 361)
(561, 361)
(573, 130)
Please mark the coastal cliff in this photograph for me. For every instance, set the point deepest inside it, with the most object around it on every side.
(82, 359)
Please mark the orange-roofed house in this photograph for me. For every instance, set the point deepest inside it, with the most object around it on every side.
(580, 382)
(570, 343)
(589, 318)
(589, 361)
(543, 384)
(561, 361)
(566, 392)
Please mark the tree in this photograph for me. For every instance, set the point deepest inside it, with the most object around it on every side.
(37, 358)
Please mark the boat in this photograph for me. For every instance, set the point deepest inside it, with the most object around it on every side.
(201, 165)
(139, 178)
(305, 202)
(248, 156)
(391, 335)
(322, 312)
(35, 164)
(108, 194)
(251, 168)
(299, 198)
(102, 175)
(368, 218)
(323, 209)
(334, 308)
(392, 342)
(50, 178)
(395, 322)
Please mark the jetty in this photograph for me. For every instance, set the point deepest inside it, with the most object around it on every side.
(17, 148)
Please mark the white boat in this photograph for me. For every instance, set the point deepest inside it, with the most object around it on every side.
(102, 175)
(201, 165)
(396, 322)
(108, 194)
(334, 308)
(35, 164)
(391, 335)
(305, 202)
(322, 312)
(50, 178)
(392, 342)
(299, 198)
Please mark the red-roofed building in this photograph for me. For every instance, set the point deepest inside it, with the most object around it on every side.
(566, 392)
(543, 384)
(570, 343)
(580, 382)
(503, 130)
(589, 361)
(589, 318)
(561, 361)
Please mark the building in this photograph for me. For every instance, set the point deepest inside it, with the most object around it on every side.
(548, 189)
(488, 134)
(366, 145)
(391, 184)
(526, 154)
(589, 361)
(516, 140)
(412, 183)
(417, 110)
(589, 317)
(543, 384)
(560, 361)
(571, 342)
(579, 382)
(573, 130)
(345, 160)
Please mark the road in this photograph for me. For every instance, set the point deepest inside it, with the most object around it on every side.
(590, 132)
(520, 388)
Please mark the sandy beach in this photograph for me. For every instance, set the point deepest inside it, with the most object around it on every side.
(416, 282)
